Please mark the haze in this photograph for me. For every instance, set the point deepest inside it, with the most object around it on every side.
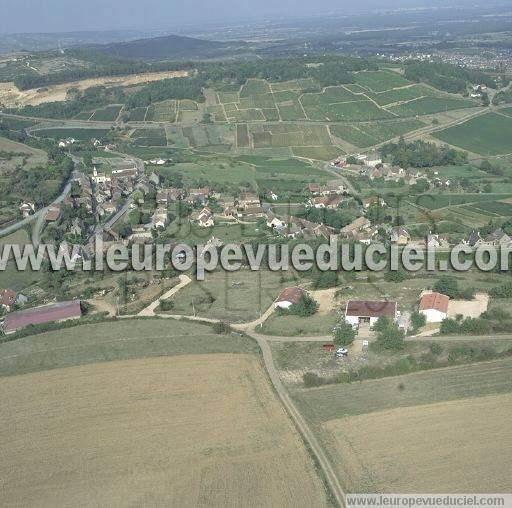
(22, 16)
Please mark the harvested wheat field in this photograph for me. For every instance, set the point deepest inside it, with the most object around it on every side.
(192, 430)
(456, 446)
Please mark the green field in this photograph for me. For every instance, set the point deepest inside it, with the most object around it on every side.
(489, 134)
(149, 137)
(430, 105)
(80, 134)
(122, 340)
(380, 81)
(369, 134)
(106, 114)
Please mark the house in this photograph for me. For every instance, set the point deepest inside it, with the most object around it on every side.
(373, 200)
(358, 225)
(362, 311)
(205, 218)
(434, 241)
(474, 239)
(400, 235)
(98, 178)
(56, 313)
(272, 195)
(289, 297)
(373, 159)
(319, 202)
(27, 208)
(314, 188)
(253, 211)
(248, 200)
(434, 306)
(498, 238)
(274, 222)
(200, 195)
(53, 213)
(160, 219)
(140, 234)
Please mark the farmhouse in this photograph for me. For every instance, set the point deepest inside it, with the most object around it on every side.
(358, 225)
(362, 311)
(205, 218)
(400, 235)
(27, 208)
(434, 306)
(58, 312)
(289, 297)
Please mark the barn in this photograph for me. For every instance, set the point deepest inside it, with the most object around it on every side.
(362, 311)
(61, 311)
(434, 306)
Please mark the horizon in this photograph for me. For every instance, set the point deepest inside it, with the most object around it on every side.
(160, 15)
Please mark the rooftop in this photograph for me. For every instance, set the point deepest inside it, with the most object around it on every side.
(363, 308)
(435, 301)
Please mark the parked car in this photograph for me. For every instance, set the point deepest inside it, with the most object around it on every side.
(341, 352)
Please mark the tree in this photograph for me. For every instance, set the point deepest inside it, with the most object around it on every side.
(449, 326)
(306, 306)
(418, 320)
(447, 286)
(382, 324)
(391, 338)
(343, 334)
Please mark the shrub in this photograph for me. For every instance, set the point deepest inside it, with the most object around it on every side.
(221, 328)
(418, 320)
(306, 306)
(436, 349)
(343, 334)
(395, 276)
(166, 305)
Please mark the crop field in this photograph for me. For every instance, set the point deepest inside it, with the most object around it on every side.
(149, 137)
(431, 431)
(402, 94)
(368, 134)
(77, 133)
(138, 114)
(164, 111)
(108, 113)
(380, 81)
(192, 430)
(435, 201)
(430, 105)
(489, 134)
(285, 135)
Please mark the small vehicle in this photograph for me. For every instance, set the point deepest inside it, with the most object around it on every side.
(341, 352)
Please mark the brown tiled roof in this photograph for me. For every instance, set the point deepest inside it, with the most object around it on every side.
(40, 315)
(435, 301)
(292, 295)
(365, 308)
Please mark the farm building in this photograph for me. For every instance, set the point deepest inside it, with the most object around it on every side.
(58, 312)
(289, 297)
(434, 306)
(362, 311)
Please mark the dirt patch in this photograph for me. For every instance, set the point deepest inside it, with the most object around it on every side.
(195, 430)
(11, 96)
(325, 299)
(472, 308)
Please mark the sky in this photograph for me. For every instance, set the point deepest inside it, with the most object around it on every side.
(66, 16)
